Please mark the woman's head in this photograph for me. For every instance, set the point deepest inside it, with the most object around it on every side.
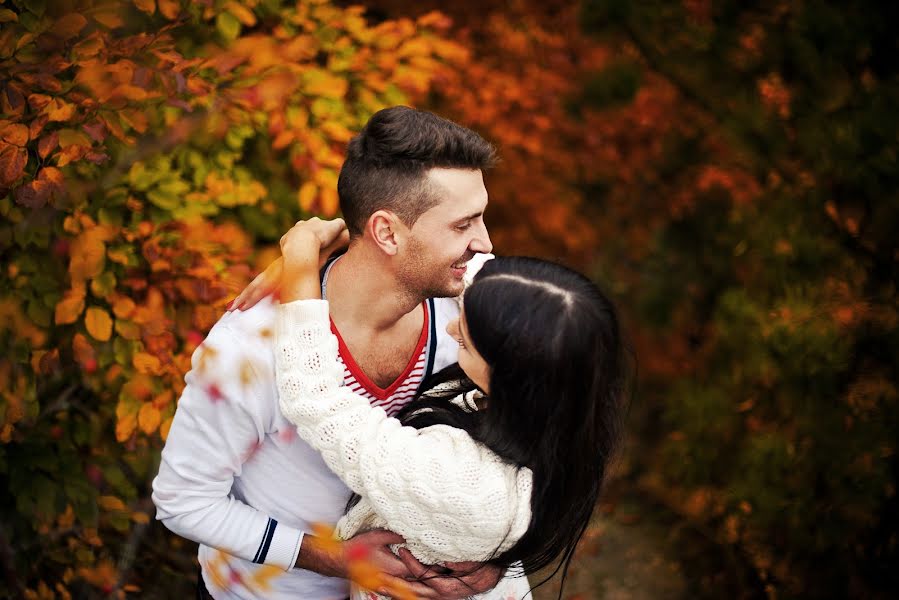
(556, 372)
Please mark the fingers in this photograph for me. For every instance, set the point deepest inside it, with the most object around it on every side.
(394, 587)
(420, 570)
(462, 568)
(380, 537)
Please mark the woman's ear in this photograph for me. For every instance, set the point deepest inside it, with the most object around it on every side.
(385, 230)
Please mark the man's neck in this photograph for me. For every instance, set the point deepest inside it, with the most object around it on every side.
(364, 294)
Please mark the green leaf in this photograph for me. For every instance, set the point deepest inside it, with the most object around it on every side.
(164, 200)
(228, 26)
(37, 7)
(141, 178)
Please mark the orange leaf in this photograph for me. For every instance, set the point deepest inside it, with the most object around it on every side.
(243, 14)
(148, 6)
(60, 110)
(148, 418)
(330, 203)
(69, 308)
(306, 196)
(141, 518)
(47, 144)
(14, 133)
(12, 164)
(147, 363)
(170, 9)
(109, 18)
(98, 323)
(125, 427)
(84, 352)
(87, 254)
(111, 503)
(123, 307)
(164, 428)
(68, 26)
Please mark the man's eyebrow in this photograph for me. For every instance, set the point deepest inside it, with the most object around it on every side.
(470, 217)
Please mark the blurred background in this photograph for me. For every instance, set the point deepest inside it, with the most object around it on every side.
(727, 170)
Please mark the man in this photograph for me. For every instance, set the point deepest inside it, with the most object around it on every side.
(234, 476)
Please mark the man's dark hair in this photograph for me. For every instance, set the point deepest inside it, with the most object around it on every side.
(386, 164)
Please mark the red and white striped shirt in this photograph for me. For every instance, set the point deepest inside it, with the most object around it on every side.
(402, 390)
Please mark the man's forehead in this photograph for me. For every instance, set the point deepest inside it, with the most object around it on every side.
(462, 191)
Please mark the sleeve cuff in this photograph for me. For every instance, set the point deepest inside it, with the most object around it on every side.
(285, 547)
(302, 313)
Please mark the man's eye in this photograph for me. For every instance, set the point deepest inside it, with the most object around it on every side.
(463, 226)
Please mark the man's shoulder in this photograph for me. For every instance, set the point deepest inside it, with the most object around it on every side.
(239, 336)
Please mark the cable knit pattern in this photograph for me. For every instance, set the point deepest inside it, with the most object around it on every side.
(452, 498)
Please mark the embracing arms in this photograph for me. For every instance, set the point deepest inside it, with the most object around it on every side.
(450, 497)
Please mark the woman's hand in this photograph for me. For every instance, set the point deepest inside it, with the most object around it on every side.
(330, 236)
(301, 248)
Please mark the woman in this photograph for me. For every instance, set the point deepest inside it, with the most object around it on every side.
(502, 462)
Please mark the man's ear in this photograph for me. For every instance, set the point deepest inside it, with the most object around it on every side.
(386, 230)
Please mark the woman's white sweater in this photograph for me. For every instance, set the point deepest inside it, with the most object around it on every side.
(452, 498)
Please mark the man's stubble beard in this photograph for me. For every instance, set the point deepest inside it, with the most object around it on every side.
(418, 279)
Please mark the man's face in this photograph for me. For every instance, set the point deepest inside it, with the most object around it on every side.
(445, 237)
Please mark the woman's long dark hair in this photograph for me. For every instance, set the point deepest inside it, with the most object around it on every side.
(558, 374)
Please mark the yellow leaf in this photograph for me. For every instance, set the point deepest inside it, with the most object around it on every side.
(111, 503)
(317, 82)
(141, 518)
(125, 427)
(148, 418)
(306, 196)
(147, 364)
(60, 110)
(164, 428)
(69, 308)
(98, 323)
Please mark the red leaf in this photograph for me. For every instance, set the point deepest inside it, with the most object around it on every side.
(33, 194)
(47, 144)
(38, 101)
(96, 130)
(12, 164)
(13, 100)
(37, 126)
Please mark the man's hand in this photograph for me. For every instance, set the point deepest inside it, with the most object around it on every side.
(368, 559)
(453, 581)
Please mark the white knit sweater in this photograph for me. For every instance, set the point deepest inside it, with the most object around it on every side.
(452, 498)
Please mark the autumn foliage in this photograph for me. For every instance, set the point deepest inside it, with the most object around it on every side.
(147, 148)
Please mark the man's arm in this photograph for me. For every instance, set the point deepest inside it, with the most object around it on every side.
(217, 426)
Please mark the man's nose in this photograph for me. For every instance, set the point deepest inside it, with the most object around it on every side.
(481, 241)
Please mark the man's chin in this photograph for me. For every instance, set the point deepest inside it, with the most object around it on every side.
(448, 290)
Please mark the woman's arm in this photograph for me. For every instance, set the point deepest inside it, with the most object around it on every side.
(450, 497)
